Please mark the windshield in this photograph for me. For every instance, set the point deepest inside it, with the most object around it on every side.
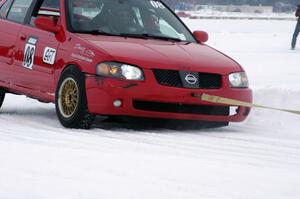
(131, 18)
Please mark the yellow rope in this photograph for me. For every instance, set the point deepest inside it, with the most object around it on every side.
(233, 102)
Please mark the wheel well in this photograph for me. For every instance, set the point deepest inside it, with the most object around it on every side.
(63, 70)
(69, 66)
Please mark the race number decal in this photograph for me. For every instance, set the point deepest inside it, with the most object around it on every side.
(157, 4)
(49, 55)
(29, 53)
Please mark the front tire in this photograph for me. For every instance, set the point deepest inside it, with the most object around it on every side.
(71, 101)
(2, 96)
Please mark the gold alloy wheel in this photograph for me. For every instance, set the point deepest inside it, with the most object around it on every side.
(68, 97)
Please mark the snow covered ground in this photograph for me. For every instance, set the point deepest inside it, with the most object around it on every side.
(257, 159)
(211, 13)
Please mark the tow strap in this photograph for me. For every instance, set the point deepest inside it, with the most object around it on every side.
(233, 102)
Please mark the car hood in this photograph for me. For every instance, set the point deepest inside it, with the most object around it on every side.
(149, 53)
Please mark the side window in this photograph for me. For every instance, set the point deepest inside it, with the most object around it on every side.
(54, 4)
(83, 12)
(19, 10)
(4, 9)
(49, 8)
(87, 10)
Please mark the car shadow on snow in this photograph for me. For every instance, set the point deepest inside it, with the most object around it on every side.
(142, 124)
(117, 123)
(40, 113)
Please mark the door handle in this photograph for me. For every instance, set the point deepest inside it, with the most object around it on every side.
(23, 37)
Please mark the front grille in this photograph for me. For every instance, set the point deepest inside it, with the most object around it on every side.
(181, 108)
(168, 77)
(210, 81)
(172, 78)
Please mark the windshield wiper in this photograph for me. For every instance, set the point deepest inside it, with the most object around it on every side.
(134, 35)
(150, 36)
(164, 38)
(98, 32)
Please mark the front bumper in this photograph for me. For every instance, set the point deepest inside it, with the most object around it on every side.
(102, 92)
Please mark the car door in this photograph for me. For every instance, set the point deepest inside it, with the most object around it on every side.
(37, 52)
(9, 31)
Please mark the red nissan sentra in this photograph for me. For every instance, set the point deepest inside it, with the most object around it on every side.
(115, 58)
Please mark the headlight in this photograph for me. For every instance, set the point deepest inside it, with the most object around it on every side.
(119, 70)
(238, 80)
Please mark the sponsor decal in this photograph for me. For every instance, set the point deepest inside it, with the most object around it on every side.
(82, 58)
(49, 55)
(84, 52)
(157, 4)
(29, 53)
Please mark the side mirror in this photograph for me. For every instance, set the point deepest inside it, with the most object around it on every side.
(201, 36)
(47, 24)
